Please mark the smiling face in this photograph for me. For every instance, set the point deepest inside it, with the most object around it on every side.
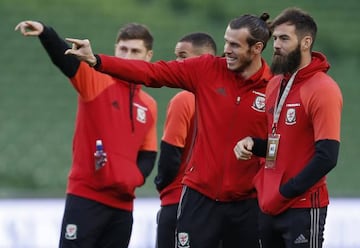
(132, 49)
(237, 52)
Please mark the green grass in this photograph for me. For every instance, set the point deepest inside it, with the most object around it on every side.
(38, 105)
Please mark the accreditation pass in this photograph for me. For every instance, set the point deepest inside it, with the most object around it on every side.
(272, 148)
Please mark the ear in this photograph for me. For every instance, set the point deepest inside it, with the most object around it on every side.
(149, 55)
(306, 42)
(257, 47)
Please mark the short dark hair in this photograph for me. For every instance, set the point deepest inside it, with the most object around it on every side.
(258, 27)
(136, 31)
(200, 40)
(303, 22)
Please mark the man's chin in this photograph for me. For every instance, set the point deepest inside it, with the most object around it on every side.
(231, 66)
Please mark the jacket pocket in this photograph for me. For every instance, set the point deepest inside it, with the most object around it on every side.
(267, 183)
(119, 174)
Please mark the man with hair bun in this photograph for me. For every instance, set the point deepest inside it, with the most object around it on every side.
(218, 202)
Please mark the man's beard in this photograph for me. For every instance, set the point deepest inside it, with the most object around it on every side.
(286, 64)
(246, 63)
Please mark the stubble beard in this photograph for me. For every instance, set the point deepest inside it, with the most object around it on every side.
(246, 62)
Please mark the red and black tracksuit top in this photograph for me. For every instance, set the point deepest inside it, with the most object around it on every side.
(228, 108)
(309, 128)
(117, 112)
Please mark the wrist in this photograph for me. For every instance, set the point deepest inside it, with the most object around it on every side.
(92, 61)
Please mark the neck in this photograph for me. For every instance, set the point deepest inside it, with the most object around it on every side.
(305, 60)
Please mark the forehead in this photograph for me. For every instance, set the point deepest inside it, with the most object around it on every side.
(184, 46)
(236, 35)
(132, 44)
(284, 29)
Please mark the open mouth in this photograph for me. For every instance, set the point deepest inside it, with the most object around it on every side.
(230, 60)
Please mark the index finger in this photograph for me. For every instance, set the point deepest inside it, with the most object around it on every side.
(17, 26)
(22, 27)
(75, 41)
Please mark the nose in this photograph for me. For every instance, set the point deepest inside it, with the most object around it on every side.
(276, 44)
(227, 49)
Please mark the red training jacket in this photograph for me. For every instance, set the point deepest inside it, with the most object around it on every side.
(311, 112)
(228, 108)
(104, 107)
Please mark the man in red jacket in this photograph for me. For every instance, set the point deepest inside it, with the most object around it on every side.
(99, 200)
(219, 199)
(303, 106)
(178, 136)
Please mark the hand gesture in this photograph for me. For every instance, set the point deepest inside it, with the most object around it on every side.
(243, 148)
(82, 50)
(30, 28)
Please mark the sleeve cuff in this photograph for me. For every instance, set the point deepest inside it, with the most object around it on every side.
(98, 62)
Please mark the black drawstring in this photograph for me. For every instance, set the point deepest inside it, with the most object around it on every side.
(282, 87)
(131, 99)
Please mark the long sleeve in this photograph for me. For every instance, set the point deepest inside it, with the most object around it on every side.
(174, 74)
(324, 160)
(260, 146)
(56, 47)
(168, 165)
(146, 162)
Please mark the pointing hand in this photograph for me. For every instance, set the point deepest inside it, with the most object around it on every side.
(29, 28)
(82, 50)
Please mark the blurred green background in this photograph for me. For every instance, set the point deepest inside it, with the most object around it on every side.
(38, 105)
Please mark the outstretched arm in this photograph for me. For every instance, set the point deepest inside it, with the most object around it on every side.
(172, 74)
(53, 44)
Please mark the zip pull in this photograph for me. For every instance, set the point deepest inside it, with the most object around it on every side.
(237, 99)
